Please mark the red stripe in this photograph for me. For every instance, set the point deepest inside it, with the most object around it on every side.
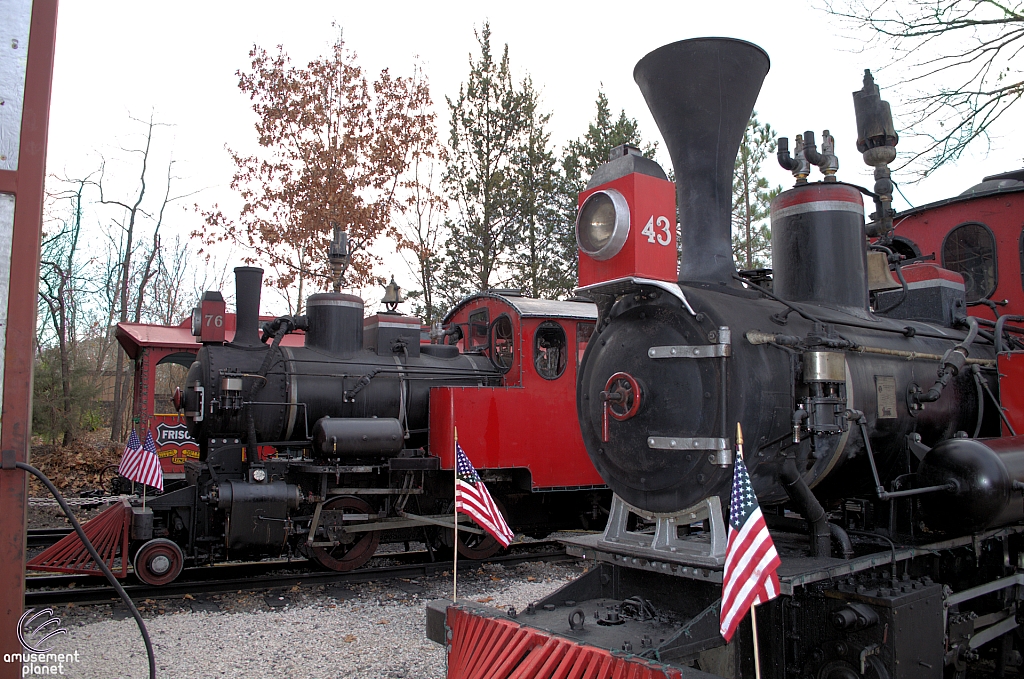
(816, 192)
(750, 548)
(735, 579)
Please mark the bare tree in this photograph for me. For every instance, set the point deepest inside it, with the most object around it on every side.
(962, 56)
(59, 277)
(133, 276)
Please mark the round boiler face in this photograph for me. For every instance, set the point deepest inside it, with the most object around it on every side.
(602, 224)
(678, 400)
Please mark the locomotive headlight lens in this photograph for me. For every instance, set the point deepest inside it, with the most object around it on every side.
(260, 475)
(197, 322)
(602, 224)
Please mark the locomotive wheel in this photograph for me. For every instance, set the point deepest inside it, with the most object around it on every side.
(158, 562)
(472, 545)
(355, 548)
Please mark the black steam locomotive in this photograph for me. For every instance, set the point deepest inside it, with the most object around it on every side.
(324, 450)
(869, 402)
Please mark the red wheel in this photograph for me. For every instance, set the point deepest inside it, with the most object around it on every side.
(622, 394)
(353, 549)
(474, 546)
(158, 562)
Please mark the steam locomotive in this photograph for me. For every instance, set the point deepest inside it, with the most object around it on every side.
(326, 449)
(878, 401)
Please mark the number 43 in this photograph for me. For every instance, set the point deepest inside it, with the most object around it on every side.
(662, 238)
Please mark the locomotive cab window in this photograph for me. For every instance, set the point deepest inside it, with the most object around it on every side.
(170, 373)
(549, 350)
(478, 321)
(970, 250)
(502, 349)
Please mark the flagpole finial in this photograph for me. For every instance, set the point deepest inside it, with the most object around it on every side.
(739, 441)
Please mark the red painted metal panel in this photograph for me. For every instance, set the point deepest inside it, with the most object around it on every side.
(27, 185)
(530, 422)
(650, 255)
(1003, 213)
(1011, 389)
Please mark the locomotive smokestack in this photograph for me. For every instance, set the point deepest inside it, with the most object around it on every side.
(701, 93)
(248, 282)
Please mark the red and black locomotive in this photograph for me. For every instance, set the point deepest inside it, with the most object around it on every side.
(876, 372)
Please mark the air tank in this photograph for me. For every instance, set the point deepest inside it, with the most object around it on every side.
(985, 478)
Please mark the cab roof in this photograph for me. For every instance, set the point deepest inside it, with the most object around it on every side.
(528, 307)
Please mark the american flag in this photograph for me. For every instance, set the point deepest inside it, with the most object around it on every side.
(750, 558)
(473, 500)
(141, 463)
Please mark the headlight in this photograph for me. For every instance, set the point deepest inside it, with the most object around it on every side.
(602, 224)
(197, 322)
(259, 475)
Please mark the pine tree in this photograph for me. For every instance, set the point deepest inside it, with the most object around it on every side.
(752, 197)
(537, 268)
(581, 158)
(487, 123)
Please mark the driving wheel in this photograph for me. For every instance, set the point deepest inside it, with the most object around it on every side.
(353, 548)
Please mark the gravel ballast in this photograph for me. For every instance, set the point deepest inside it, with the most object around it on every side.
(373, 630)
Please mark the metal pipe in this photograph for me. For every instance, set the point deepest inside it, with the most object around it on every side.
(809, 506)
(839, 536)
(755, 337)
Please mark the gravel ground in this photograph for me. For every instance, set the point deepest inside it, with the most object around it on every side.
(371, 631)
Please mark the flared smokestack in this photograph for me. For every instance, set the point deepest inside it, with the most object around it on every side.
(701, 93)
(248, 283)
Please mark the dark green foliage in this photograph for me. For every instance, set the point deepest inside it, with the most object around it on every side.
(53, 414)
(752, 197)
(581, 158)
(537, 265)
(481, 180)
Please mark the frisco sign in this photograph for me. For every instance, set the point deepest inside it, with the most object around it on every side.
(173, 434)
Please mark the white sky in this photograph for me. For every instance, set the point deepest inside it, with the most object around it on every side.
(180, 58)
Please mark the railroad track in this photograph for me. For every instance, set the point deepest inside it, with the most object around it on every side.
(44, 537)
(84, 589)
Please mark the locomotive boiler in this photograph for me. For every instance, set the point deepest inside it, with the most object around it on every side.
(869, 399)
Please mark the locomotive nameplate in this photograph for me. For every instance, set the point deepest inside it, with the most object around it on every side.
(885, 391)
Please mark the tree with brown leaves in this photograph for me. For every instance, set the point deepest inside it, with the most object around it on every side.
(333, 148)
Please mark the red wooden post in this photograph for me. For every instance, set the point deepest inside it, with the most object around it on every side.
(22, 173)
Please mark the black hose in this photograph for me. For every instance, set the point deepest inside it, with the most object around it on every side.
(999, 329)
(809, 506)
(769, 295)
(99, 561)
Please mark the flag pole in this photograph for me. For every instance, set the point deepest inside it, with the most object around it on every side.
(455, 535)
(753, 606)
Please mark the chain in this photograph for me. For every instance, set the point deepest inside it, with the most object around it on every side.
(77, 501)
